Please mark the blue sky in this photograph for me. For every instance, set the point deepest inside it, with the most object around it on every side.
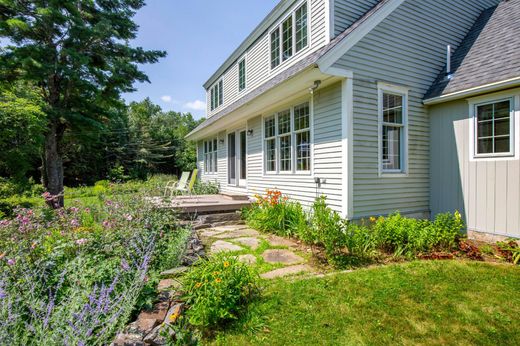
(198, 36)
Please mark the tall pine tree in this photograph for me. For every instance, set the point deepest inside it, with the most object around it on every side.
(77, 53)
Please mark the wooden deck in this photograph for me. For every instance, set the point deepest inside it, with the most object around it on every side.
(205, 204)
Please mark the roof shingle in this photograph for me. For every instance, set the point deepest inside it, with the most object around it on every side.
(490, 52)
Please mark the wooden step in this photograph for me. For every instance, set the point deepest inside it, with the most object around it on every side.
(235, 196)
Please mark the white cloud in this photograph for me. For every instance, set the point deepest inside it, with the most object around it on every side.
(196, 105)
(166, 98)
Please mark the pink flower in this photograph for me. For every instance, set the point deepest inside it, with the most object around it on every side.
(11, 262)
(106, 224)
(128, 217)
(74, 209)
(81, 241)
(74, 223)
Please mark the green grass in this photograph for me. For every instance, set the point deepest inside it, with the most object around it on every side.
(416, 303)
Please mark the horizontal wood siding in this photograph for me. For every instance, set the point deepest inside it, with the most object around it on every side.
(258, 59)
(486, 192)
(406, 49)
(346, 12)
(327, 156)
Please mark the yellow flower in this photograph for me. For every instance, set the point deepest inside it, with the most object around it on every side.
(218, 280)
(198, 284)
(174, 317)
(226, 264)
(216, 273)
(372, 219)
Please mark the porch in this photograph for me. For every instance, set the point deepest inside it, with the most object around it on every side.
(206, 204)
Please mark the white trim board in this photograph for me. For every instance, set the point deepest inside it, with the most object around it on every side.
(347, 140)
(346, 43)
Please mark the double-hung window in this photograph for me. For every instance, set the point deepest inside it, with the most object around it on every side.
(393, 130)
(210, 156)
(217, 95)
(290, 37)
(287, 140)
(494, 128)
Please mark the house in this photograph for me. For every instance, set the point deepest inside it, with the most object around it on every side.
(362, 101)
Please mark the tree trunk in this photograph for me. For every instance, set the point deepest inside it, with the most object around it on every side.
(53, 166)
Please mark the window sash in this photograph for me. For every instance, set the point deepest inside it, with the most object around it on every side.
(211, 156)
(288, 150)
(493, 128)
(242, 75)
(275, 48)
(393, 107)
(301, 24)
(287, 38)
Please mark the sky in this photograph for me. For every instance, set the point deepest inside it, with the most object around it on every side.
(198, 35)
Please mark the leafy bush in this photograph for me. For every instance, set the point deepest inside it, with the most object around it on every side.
(75, 275)
(274, 213)
(9, 205)
(218, 289)
(206, 188)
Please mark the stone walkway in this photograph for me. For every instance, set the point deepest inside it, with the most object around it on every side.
(274, 256)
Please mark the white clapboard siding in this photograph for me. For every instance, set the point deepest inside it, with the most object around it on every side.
(406, 49)
(486, 192)
(346, 12)
(258, 57)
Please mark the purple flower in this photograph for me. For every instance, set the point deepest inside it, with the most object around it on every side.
(11, 262)
(74, 223)
(81, 241)
(3, 295)
(124, 265)
(128, 217)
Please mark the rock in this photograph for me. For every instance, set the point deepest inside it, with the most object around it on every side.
(145, 326)
(217, 218)
(247, 259)
(174, 272)
(128, 340)
(250, 242)
(158, 313)
(282, 272)
(168, 284)
(282, 256)
(155, 338)
(275, 240)
(224, 246)
(238, 233)
(174, 313)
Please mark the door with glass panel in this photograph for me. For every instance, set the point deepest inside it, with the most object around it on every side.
(237, 158)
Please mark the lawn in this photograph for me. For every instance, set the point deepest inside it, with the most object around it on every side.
(415, 303)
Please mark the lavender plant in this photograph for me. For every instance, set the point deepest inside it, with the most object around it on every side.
(74, 276)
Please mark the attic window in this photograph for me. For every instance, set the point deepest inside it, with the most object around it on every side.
(217, 95)
(290, 37)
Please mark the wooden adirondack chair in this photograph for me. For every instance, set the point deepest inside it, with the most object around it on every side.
(189, 188)
(179, 185)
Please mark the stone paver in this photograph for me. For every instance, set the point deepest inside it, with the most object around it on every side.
(287, 271)
(238, 233)
(224, 246)
(286, 257)
(174, 272)
(247, 259)
(168, 284)
(275, 240)
(251, 242)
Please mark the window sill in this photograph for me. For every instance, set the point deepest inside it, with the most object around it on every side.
(390, 174)
(288, 174)
(493, 156)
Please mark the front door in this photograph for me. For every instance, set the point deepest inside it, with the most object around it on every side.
(237, 158)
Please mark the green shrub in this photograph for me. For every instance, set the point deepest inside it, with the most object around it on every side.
(9, 205)
(206, 188)
(117, 174)
(275, 214)
(217, 289)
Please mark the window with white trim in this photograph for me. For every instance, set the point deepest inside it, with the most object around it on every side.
(287, 140)
(210, 156)
(494, 128)
(290, 37)
(393, 122)
(242, 75)
(217, 95)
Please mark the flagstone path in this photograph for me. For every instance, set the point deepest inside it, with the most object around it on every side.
(274, 256)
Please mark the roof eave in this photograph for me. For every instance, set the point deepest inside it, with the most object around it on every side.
(487, 88)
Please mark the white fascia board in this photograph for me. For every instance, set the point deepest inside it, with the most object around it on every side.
(326, 61)
(509, 83)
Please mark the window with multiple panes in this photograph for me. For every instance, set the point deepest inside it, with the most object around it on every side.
(393, 123)
(242, 75)
(210, 156)
(287, 138)
(217, 95)
(493, 128)
(290, 37)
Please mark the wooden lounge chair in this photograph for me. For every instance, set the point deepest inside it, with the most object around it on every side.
(189, 188)
(174, 186)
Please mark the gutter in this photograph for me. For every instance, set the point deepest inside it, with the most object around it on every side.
(486, 88)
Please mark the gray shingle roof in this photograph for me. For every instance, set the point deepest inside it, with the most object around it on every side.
(301, 65)
(490, 52)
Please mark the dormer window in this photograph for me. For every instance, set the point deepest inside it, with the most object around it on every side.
(217, 95)
(290, 37)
